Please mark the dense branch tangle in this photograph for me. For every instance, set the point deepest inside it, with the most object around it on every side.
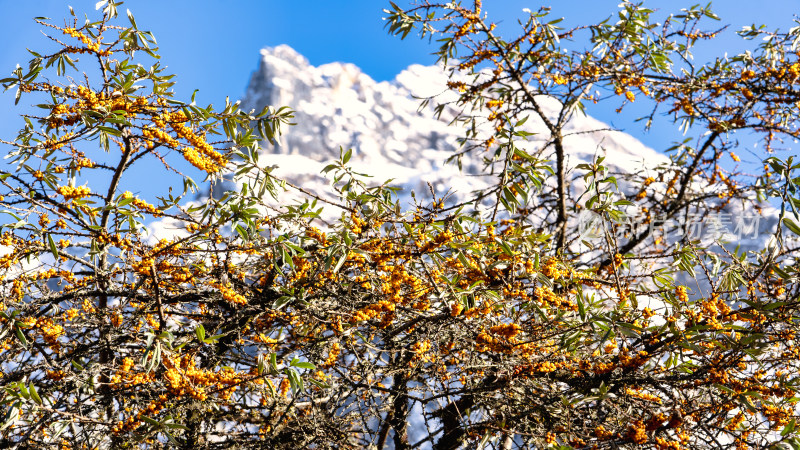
(249, 326)
(87, 298)
(501, 82)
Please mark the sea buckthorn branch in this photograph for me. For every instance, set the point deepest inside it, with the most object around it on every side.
(302, 334)
(692, 98)
(90, 110)
(618, 35)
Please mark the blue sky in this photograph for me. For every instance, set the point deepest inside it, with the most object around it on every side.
(213, 44)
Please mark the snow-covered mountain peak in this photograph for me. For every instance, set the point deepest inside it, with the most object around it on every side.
(337, 105)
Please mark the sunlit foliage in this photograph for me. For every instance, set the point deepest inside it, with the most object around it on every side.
(445, 324)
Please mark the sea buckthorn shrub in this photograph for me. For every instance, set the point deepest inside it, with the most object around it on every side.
(354, 321)
(648, 340)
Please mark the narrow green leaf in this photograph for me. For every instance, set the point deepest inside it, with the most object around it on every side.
(52, 244)
(791, 225)
(304, 365)
(34, 394)
(21, 337)
(200, 332)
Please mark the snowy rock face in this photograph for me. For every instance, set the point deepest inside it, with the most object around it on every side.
(336, 105)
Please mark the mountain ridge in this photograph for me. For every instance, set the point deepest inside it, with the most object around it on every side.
(338, 106)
